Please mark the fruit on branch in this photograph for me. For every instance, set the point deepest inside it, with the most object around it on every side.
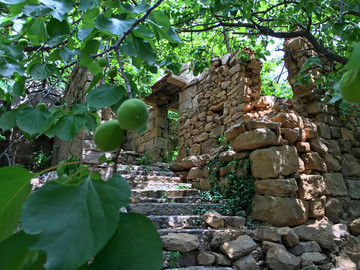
(108, 136)
(102, 62)
(350, 86)
(23, 42)
(112, 73)
(132, 114)
(41, 106)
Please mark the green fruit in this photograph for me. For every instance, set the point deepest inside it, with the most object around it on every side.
(23, 42)
(350, 87)
(41, 106)
(112, 73)
(132, 114)
(102, 62)
(108, 136)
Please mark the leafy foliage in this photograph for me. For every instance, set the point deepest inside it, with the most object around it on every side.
(235, 188)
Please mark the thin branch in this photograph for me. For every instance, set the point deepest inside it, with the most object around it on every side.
(11, 144)
(128, 86)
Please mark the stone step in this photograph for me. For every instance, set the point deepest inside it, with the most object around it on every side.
(146, 173)
(159, 193)
(143, 178)
(172, 208)
(200, 268)
(176, 222)
(138, 199)
(156, 185)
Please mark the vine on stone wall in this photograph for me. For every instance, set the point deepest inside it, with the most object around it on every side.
(235, 189)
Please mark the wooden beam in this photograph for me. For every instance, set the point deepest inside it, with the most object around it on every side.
(177, 80)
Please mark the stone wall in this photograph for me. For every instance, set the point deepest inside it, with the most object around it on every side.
(155, 139)
(305, 160)
(216, 100)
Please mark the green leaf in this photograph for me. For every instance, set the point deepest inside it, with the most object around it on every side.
(37, 33)
(35, 10)
(95, 80)
(7, 69)
(87, 4)
(95, 69)
(15, 187)
(14, 251)
(104, 96)
(90, 124)
(15, 51)
(18, 88)
(32, 120)
(160, 19)
(12, 2)
(143, 249)
(114, 25)
(68, 126)
(142, 7)
(90, 48)
(8, 120)
(144, 50)
(75, 222)
(56, 28)
(66, 54)
(84, 32)
(42, 71)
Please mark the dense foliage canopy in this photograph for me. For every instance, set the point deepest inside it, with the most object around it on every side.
(127, 44)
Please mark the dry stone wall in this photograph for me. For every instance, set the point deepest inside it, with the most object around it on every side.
(305, 160)
(216, 100)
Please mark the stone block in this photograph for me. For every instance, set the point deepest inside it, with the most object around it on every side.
(313, 161)
(278, 257)
(255, 139)
(324, 131)
(334, 184)
(246, 262)
(200, 138)
(302, 147)
(266, 233)
(289, 120)
(319, 145)
(280, 211)
(350, 166)
(302, 247)
(195, 173)
(317, 207)
(319, 231)
(288, 237)
(310, 186)
(334, 209)
(277, 187)
(353, 188)
(332, 164)
(240, 247)
(182, 242)
(274, 161)
(213, 219)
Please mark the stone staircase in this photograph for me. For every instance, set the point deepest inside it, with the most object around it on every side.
(174, 208)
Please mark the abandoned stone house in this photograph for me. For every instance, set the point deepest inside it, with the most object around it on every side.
(305, 159)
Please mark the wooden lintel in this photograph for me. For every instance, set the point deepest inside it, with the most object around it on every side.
(177, 80)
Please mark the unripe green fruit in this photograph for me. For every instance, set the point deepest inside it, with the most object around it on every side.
(350, 87)
(112, 73)
(23, 42)
(102, 62)
(41, 106)
(132, 114)
(108, 136)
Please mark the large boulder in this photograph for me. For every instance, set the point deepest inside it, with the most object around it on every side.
(255, 139)
(274, 161)
(279, 211)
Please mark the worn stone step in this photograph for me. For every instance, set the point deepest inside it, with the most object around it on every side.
(200, 268)
(143, 178)
(124, 173)
(159, 193)
(176, 222)
(172, 208)
(156, 185)
(138, 199)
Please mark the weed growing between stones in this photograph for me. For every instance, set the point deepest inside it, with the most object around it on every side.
(174, 257)
(235, 188)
